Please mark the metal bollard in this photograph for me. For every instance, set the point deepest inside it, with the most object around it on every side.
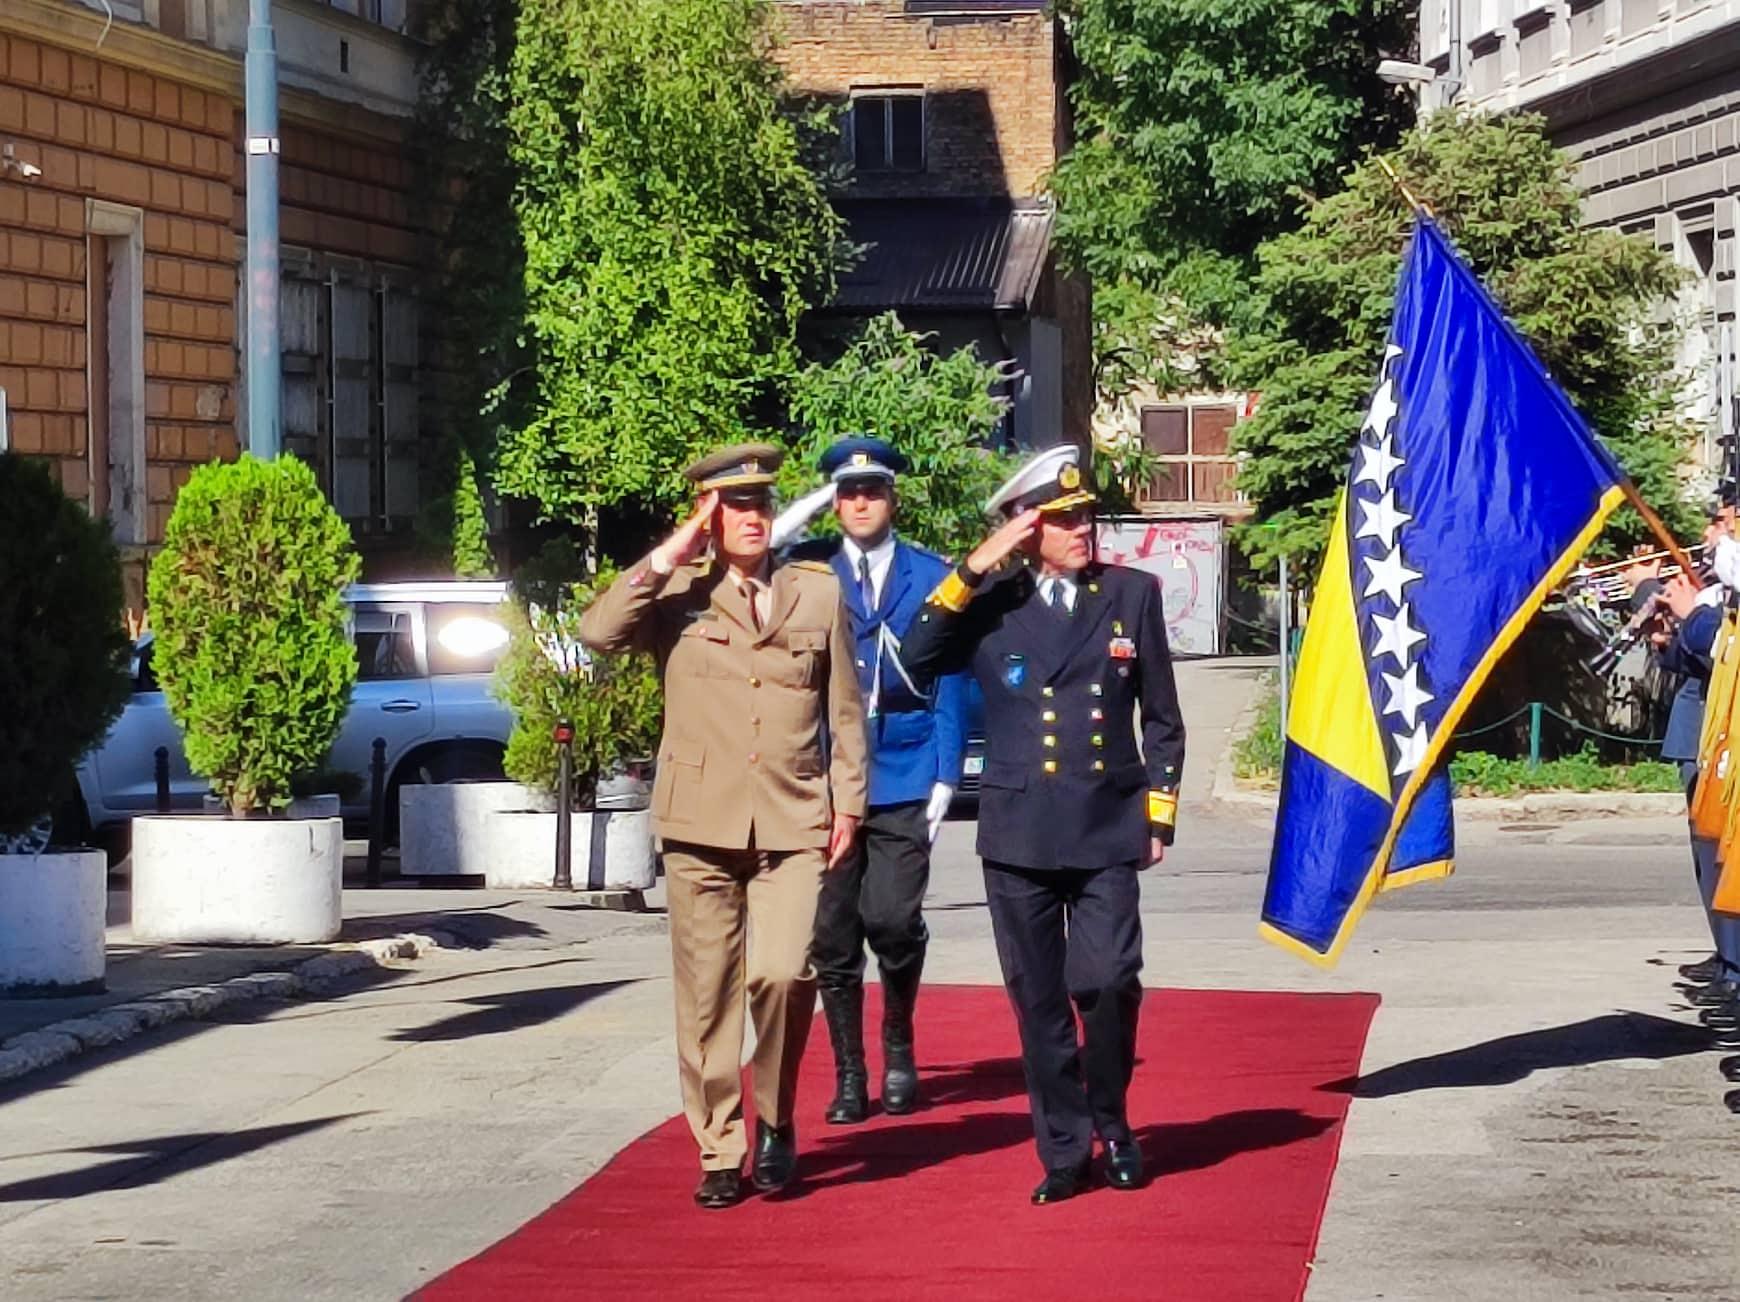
(1534, 734)
(161, 771)
(377, 808)
(564, 806)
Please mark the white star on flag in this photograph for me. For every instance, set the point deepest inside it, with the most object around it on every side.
(1411, 749)
(1388, 575)
(1377, 464)
(1396, 637)
(1406, 695)
(1383, 410)
(1381, 519)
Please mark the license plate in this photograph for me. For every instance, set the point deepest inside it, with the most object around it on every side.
(974, 766)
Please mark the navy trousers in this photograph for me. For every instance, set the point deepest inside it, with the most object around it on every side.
(1071, 937)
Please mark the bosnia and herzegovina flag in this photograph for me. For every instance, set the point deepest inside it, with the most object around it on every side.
(1474, 488)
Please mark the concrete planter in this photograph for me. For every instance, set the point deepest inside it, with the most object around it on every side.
(613, 851)
(444, 829)
(238, 881)
(53, 907)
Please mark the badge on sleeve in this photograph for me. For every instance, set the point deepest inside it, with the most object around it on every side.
(1014, 669)
(1123, 648)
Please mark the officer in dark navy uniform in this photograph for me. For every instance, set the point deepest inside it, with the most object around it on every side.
(917, 742)
(1072, 658)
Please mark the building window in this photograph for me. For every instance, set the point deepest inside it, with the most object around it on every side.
(1194, 445)
(888, 131)
(350, 389)
(115, 366)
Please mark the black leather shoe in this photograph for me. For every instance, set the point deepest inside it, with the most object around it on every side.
(775, 1156)
(1730, 1068)
(843, 1007)
(1726, 1039)
(1124, 1164)
(1725, 1018)
(1703, 971)
(1732, 1100)
(899, 1079)
(719, 1189)
(1714, 995)
(1061, 1185)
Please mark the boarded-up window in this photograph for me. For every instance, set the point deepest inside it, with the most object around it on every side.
(1194, 444)
(350, 390)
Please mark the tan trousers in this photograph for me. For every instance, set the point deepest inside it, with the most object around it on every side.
(713, 893)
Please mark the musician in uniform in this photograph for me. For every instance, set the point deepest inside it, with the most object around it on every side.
(760, 789)
(1084, 749)
(917, 741)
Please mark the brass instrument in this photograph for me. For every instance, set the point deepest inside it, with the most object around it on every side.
(1606, 582)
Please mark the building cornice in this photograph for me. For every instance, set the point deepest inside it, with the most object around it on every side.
(1663, 72)
(78, 29)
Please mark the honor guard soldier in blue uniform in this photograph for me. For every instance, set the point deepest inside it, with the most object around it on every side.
(1073, 661)
(917, 741)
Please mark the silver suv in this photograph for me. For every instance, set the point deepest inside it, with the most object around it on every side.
(426, 654)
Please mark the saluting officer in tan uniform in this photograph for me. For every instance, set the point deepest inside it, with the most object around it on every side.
(761, 786)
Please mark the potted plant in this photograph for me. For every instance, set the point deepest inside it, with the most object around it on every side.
(63, 679)
(612, 708)
(246, 603)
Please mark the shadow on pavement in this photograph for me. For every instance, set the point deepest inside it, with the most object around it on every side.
(512, 1011)
(475, 928)
(1511, 1058)
(148, 1161)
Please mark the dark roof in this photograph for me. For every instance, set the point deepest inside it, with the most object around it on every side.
(944, 255)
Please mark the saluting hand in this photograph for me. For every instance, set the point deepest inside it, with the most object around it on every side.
(690, 536)
(840, 842)
(991, 553)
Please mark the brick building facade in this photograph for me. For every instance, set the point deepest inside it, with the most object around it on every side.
(121, 248)
(955, 114)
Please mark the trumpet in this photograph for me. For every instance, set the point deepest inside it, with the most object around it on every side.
(1607, 580)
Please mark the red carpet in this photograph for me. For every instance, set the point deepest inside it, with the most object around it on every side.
(1238, 1101)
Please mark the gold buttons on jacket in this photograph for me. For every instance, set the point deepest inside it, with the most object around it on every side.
(754, 681)
(1096, 689)
(1098, 740)
(1051, 766)
(1050, 740)
(1099, 766)
(753, 757)
(1096, 714)
(1046, 691)
(1048, 716)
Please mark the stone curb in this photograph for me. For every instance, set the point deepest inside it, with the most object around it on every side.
(311, 979)
(1551, 806)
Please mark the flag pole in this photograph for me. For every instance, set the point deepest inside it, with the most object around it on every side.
(1412, 199)
(1659, 529)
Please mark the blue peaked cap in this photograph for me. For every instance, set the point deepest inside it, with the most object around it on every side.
(860, 456)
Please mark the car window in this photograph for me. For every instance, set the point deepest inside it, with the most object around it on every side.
(385, 647)
(465, 639)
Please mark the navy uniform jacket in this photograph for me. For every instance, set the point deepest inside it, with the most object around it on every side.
(916, 740)
(1065, 785)
(1689, 654)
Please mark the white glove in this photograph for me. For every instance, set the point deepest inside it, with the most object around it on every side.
(790, 523)
(941, 795)
(1726, 561)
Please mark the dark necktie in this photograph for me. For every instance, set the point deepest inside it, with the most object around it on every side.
(1057, 602)
(865, 593)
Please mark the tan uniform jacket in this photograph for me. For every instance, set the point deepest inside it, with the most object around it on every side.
(743, 749)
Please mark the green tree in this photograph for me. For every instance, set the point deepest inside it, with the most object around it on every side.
(673, 238)
(1587, 301)
(1201, 124)
(939, 410)
(476, 298)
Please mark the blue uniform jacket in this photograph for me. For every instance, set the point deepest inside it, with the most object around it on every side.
(1689, 654)
(915, 741)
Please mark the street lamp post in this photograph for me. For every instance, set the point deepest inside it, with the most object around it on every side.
(264, 377)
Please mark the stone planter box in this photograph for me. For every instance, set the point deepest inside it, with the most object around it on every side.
(612, 850)
(53, 909)
(237, 881)
(444, 830)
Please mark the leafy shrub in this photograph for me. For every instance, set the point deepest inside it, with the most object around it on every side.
(63, 648)
(613, 702)
(246, 600)
(1257, 756)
